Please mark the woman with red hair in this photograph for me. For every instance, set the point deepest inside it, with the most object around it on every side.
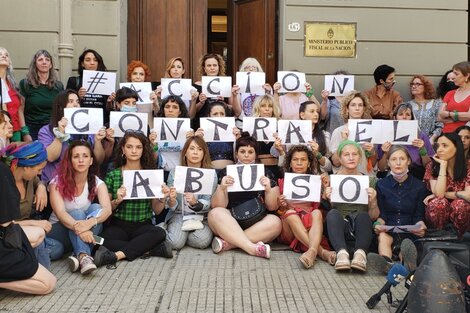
(75, 219)
(425, 106)
(139, 72)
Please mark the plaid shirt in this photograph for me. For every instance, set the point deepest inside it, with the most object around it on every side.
(138, 210)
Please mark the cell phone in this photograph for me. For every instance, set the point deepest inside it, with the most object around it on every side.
(99, 240)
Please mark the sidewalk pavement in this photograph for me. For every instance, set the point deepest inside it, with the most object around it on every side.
(201, 281)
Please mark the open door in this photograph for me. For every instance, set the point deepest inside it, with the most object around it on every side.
(253, 32)
(159, 30)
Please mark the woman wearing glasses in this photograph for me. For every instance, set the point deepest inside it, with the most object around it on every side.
(425, 106)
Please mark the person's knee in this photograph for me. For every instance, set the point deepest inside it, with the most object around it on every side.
(177, 239)
(274, 223)
(49, 284)
(316, 215)
(200, 239)
(216, 215)
(36, 237)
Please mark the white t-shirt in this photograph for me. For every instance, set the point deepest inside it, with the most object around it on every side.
(78, 203)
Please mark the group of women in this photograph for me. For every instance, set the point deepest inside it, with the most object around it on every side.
(421, 184)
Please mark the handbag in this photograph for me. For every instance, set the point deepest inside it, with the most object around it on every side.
(249, 212)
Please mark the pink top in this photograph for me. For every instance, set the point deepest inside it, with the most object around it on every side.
(290, 106)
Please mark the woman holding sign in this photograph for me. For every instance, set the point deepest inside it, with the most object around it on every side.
(351, 219)
(420, 150)
(130, 232)
(228, 230)
(91, 60)
(187, 217)
(302, 221)
(56, 140)
(400, 198)
(448, 178)
(75, 218)
(354, 105)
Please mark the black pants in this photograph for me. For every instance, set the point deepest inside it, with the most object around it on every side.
(338, 229)
(132, 238)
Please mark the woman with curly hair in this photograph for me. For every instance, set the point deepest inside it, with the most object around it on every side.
(75, 218)
(302, 221)
(354, 105)
(425, 106)
(130, 232)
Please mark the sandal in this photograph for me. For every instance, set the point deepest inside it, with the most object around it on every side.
(342, 261)
(328, 256)
(359, 261)
(308, 258)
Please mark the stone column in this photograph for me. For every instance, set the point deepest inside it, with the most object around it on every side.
(65, 41)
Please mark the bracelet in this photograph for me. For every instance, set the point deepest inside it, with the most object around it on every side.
(310, 93)
(155, 148)
(368, 153)
(62, 137)
(319, 156)
(448, 114)
(456, 116)
(423, 151)
(24, 131)
(376, 223)
(444, 175)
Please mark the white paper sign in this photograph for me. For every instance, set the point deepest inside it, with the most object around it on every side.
(380, 131)
(246, 177)
(294, 131)
(143, 184)
(122, 121)
(171, 129)
(349, 188)
(215, 86)
(291, 81)
(176, 87)
(198, 181)
(260, 128)
(99, 83)
(83, 120)
(143, 90)
(218, 128)
(251, 82)
(303, 187)
(338, 85)
(5, 96)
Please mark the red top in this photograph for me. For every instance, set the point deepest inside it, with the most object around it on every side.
(13, 106)
(452, 105)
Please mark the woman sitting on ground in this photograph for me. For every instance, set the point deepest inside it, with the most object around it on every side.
(448, 178)
(187, 217)
(302, 221)
(130, 233)
(359, 216)
(228, 231)
(26, 164)
(400, 198)
(19, 268)
(75, 218)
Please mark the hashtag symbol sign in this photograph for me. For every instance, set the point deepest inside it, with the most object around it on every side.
(138, 92)
(95, 81)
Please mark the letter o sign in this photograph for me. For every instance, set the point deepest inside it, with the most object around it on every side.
(356, 194)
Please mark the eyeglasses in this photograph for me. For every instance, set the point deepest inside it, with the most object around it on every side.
(416, 84)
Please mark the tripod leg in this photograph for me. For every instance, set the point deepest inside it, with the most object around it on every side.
(401, 308)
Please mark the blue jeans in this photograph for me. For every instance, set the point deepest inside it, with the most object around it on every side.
(43, 253)
(67, 238)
